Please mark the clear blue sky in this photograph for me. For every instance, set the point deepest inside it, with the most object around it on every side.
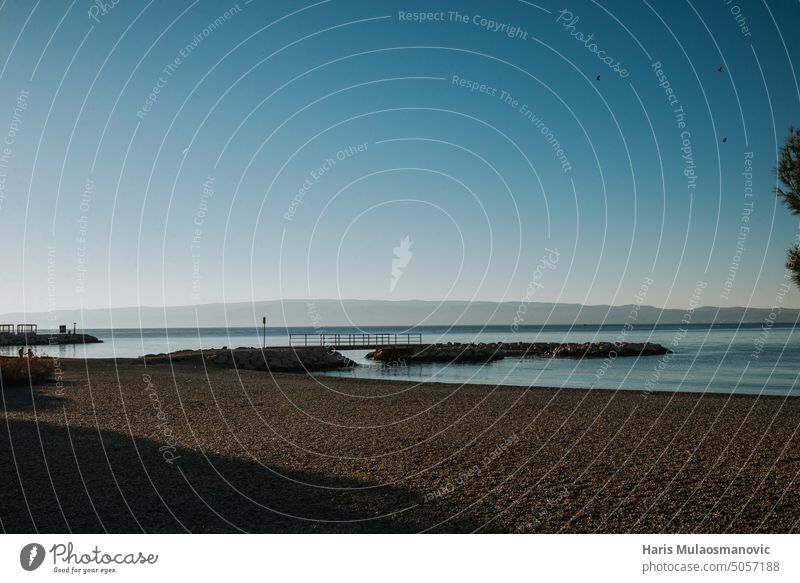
(192, 195)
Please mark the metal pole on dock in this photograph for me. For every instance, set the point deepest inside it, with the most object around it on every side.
(264, 322)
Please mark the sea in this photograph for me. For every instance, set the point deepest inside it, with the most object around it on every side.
(733, 359)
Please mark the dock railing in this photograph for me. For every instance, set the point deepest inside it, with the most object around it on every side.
(354, 340)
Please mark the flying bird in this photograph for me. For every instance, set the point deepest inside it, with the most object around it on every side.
(720, 69)
(725, 139)
(598, 77)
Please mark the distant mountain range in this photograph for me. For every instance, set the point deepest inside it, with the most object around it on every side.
(323, 314)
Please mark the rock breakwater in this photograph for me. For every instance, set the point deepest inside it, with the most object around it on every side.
(312, 358)
(487, 352)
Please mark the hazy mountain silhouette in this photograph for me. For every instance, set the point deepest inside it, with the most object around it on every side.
(326, 313)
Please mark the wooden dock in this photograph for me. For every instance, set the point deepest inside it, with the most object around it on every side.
(355, 341)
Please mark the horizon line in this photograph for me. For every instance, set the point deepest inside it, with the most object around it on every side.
(497, 302)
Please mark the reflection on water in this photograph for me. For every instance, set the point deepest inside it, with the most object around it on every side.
(716, 359)
(55, 350)
(706, 359)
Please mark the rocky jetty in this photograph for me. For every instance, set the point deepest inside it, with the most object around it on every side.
(7, 339)
(302, 359)
(583, 349)
(487, 352)
(451, 352)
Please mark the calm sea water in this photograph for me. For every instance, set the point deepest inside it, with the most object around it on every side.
(719, 358)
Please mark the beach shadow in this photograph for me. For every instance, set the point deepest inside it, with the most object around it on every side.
(27, 398)
(85, 481)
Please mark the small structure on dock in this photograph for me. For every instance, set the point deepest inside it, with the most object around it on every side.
(28, 335)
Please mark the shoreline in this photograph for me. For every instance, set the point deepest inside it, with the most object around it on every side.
(185, 448)
(332, 374)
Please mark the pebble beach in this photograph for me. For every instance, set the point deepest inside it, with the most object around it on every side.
(120, 446)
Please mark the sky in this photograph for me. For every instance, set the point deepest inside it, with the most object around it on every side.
(174, 153)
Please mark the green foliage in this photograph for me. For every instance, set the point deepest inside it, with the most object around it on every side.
(793, 263)
(788, 172)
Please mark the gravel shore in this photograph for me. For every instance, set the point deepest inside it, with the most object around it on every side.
(120, 447)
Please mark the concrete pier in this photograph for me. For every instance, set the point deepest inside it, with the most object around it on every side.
(8, 339)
